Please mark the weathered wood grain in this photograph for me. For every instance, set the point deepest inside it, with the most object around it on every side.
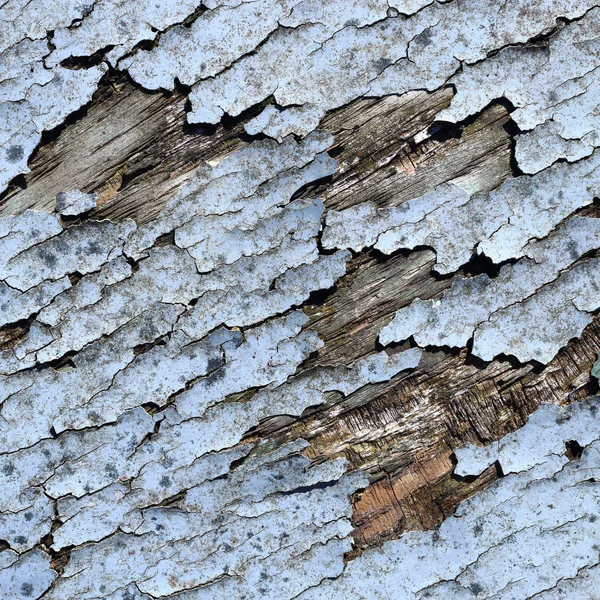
(132, 147)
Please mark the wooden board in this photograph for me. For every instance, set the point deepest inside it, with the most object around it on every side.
(136, 150)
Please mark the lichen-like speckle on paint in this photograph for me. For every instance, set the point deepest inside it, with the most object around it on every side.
(145, 355)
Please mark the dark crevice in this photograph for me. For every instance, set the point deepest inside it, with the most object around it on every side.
(133, 263)
(172, 500)
(129, 177)
(85, 62)
(182, 89)
(143, 348)
(573, 450)
(64, 362)
(480, 264)
(320, 297)
(12, 333)
(498, 468)
(319, 485)
(513, 132)
(151, 407)
(338, 149)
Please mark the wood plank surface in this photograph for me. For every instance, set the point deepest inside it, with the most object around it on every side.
(135, 150)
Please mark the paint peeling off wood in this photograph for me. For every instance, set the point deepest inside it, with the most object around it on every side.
(525, 518)
(391, 56)
(117, 25)
(498, 224)
(141, 333)
(204, 402)
(514, 313)
(269, 527)
(430, 220)
(250, 182)
(554, 87)
(545, 434)
(34, 99)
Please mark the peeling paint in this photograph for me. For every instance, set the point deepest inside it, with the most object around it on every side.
(554, 88)
(118, 25)
(34, 99)
(392, 55)
(267, 529)
(146, 355)
(529, 310)
(540, 520)
(142, 354)
(498, 224)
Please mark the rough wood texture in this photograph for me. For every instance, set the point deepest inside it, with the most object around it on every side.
(131, 147)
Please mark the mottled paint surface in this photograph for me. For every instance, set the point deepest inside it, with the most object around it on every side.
(146, 355)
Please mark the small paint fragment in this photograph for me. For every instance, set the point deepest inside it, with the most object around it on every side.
(74, 202)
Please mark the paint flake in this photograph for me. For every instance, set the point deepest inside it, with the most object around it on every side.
(74, 202)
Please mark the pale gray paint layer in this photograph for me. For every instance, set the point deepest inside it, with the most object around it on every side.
(122, 407)
(554, 87)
